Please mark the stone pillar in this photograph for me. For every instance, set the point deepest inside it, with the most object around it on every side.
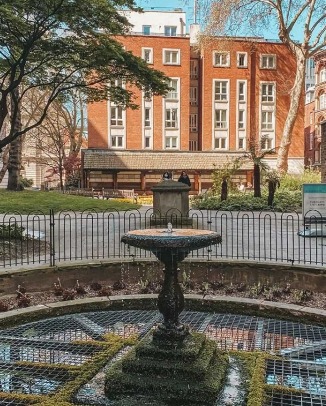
(171, 203)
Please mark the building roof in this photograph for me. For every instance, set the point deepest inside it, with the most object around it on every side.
(97, 159)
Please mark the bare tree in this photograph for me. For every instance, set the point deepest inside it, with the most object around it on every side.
(241, 17)
(59, 138)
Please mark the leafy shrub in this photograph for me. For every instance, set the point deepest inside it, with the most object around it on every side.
(11, 231)
(294, 183)
(3, 306)
(284, 202)
(288, 197)
(24, 182)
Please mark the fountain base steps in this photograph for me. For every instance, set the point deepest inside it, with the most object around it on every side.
(191, 373)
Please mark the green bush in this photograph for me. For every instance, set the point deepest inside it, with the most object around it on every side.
(12, 231)
(24, 182)
(294, 183)
(288, 197)
(283, 202)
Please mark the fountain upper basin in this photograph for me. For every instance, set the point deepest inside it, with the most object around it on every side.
(186, 239)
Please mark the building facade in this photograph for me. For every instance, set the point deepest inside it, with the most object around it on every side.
(225, 94)
(315, 118)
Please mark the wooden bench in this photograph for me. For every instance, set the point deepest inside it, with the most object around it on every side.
(81, 192)
(120, 193)
(105, 193)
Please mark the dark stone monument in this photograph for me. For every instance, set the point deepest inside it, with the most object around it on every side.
(171, 203)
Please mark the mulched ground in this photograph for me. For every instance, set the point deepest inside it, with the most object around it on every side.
(274, 293)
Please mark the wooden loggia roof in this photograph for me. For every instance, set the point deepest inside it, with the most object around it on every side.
(98, 159)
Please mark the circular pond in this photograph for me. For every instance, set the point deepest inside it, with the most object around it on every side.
(280, 362)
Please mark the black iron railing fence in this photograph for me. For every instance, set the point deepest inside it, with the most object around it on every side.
(53, 238)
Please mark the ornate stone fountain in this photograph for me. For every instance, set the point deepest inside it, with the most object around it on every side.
(173, 365)
(170, 247)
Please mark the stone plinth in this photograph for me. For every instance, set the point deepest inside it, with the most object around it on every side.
(171, 203)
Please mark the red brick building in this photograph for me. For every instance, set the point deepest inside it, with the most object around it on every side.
(230, 91)
(315, 118)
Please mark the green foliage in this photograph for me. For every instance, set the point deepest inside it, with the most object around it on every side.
(12, 232)
(30, 201)
(257, 384)
(293, 183)
(24, 182)
(225, 172)
(284, 202)
(59, 45)
(189, 375)
(288, 197)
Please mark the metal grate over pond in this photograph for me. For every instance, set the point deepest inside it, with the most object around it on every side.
(39, 358)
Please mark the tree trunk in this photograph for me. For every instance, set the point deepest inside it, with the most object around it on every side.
(257, 190)
(224, 190)
(14, 164)
(5, 160)
(271, 192)
(295, 99)
(15, 150)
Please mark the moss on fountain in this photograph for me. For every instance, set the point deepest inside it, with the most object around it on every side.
(189, 374)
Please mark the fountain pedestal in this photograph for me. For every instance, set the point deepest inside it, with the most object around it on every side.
(170, 301)
(171, 204)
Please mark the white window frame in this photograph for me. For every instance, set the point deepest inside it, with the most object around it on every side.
(242, 96)
(267, 96)
(173, 94)
(266, 143)
(267, 61)
(116, 116)
(149, 58)
(169, 54)
(170, 30)
(171, 118)
(221, 141)
(220, 119)
(147, 117)
(149, 139)
(239, 59)
(193, 122)
(267, 121)
(243, 141)
(171, 142)
(193, 95)
(114, 139)
(219, 61)
(221, 90)
(241, 119)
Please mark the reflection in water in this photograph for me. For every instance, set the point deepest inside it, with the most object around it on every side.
(21, 382)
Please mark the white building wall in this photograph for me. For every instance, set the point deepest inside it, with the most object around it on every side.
(157, 20)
